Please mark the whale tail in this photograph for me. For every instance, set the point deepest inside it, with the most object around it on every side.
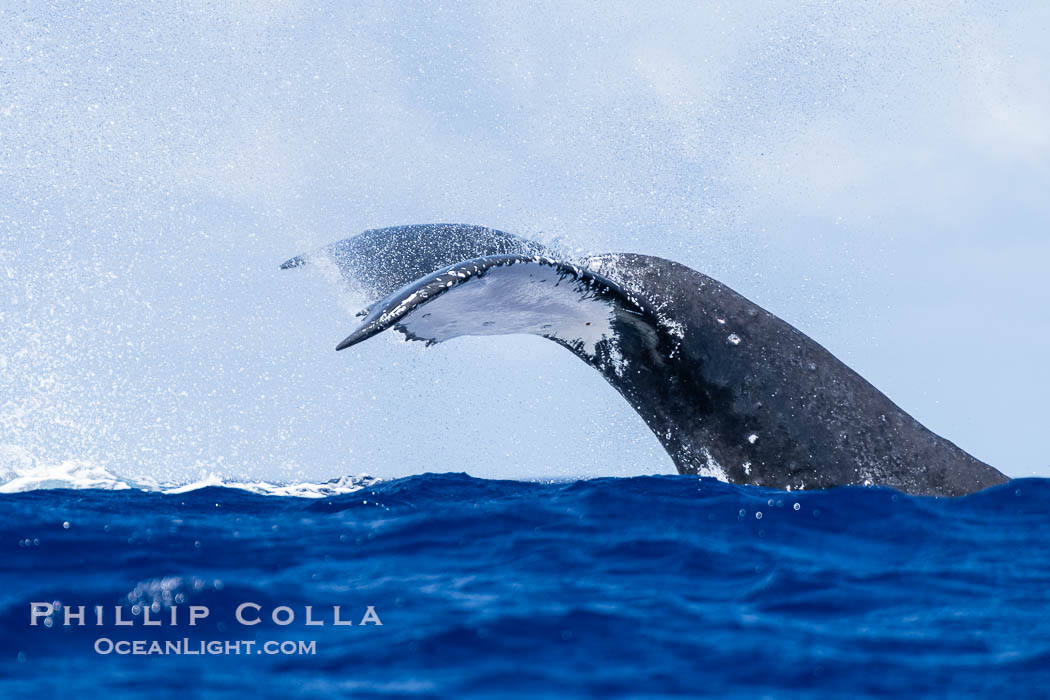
(729, 389)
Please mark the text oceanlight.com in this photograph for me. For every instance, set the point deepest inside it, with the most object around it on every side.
(188, 647)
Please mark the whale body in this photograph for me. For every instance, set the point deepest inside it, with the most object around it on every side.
(730, 390)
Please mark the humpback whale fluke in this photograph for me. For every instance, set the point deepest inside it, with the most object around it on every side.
(729, 389)
(384, 259)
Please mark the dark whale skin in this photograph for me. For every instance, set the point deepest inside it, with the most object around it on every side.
(750, 389)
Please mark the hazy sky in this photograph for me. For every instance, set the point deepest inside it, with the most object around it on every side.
(876, 175)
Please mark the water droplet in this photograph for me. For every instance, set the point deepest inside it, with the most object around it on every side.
(752, 438)
(734, 339)
(742, 512)
(797, 506)
(65, 525)
(758, 515)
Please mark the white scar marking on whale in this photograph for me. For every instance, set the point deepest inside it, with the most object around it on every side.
(711, 467)
(612, 266)
(528, 298)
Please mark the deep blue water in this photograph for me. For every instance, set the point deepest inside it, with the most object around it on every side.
(648, 586)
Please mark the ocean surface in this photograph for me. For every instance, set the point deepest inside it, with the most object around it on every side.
(646, 587)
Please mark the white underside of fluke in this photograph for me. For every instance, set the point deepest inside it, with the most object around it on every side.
(526, 297)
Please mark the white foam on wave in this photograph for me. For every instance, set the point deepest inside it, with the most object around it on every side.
(332, 487)
(20, 472)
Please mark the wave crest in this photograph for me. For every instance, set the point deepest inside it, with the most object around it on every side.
(20, 472)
